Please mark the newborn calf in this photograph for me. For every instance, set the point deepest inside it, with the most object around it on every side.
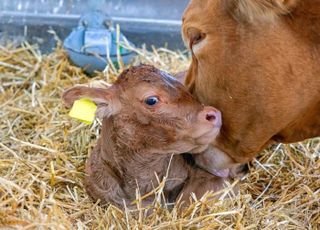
(147, 116)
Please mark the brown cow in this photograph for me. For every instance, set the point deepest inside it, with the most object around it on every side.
(258, 62)
(147, 116)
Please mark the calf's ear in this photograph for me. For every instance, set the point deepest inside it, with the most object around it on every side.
(260, 10)
(105, 99)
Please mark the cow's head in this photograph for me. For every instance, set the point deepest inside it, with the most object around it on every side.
(210, 25)
(239, 48)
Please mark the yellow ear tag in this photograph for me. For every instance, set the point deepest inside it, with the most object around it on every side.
(84, 110)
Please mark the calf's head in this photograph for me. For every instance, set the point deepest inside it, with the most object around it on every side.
(152, 112)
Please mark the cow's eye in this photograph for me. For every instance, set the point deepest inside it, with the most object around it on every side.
(151, 100)
(195, 36)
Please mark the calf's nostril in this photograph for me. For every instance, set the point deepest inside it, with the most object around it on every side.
(210, 117)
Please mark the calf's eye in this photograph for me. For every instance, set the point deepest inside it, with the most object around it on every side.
(151, 100)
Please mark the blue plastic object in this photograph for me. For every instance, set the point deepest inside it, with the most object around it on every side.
(94, 41)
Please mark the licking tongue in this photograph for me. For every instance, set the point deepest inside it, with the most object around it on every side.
(219, 172)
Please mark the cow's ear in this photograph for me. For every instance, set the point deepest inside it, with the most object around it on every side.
(105, 99)
(260, 10)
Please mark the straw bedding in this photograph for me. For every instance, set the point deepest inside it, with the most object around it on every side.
(43, 151)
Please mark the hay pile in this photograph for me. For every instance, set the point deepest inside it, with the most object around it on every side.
(42, 155)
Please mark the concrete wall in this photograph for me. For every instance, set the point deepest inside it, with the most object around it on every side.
(154, 22)
(143, 9)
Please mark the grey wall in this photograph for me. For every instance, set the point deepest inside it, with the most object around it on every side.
(142, 21)
(155, 9)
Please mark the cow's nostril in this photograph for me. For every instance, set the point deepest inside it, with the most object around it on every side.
(210, 117)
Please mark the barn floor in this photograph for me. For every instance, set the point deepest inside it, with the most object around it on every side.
(42, 155)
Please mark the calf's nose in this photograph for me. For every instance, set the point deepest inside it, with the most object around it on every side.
(211, 115)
